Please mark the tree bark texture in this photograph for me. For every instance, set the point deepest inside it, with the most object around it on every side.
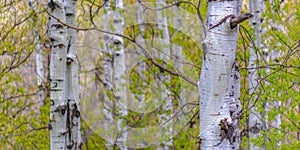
(64, 97)
(219, 78)
(58, 105)
(74, 140)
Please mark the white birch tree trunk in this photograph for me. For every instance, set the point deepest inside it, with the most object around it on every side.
(255, 118)
(235, 107)
(219, 80)
(120, 72)
(164, 55)
(39, 68)
(58, 36)
(108, 74)
(74, 140)
(115, 95)
(38, 57)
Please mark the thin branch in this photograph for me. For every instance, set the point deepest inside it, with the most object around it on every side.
(182, 2)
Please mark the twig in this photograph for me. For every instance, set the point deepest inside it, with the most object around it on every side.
(234, 21)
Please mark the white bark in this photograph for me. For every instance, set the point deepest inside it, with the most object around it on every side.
(120, 71)
(255, 118)
(108, 75)
(72, 84)
(39, 69)
(235, 107)
(58, 35)
(164, 55)
(38, 57)
(215, 85)
(107, 57)
(115, 97)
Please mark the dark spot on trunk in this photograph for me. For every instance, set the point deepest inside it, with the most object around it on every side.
(52, 102)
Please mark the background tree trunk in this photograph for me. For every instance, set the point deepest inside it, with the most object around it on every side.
(109, 102)
(120, 72)
(256, 123)
(115, 95)
(38, 57)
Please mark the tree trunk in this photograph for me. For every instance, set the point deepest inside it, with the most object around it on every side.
(120, 72)
(219, 79)
(72, 85)
(58, 36)
(108, 74)
(255, 118)
(114, 73)
(38, 57)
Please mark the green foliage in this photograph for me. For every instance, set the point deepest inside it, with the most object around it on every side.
(279, 77)
(24, 120)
